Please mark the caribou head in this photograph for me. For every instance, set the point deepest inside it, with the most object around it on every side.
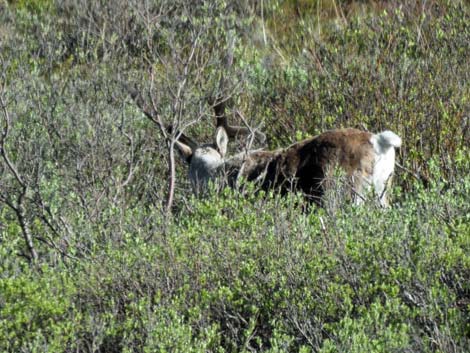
(205, 161)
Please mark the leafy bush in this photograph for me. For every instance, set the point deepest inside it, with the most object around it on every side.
(259, 274)
(36, 312)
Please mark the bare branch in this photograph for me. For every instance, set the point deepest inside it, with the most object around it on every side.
(150, 112)
(3, 137)
(25, 226)
(252, 132)
(418, 177)
(19, 208)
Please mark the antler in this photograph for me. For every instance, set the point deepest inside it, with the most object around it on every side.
(222, 120)
(233, 131)
(219, 103)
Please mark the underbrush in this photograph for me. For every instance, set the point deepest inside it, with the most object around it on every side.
(234, 273)
(95, 257)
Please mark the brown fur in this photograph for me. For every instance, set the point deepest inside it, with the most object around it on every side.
(303, 166)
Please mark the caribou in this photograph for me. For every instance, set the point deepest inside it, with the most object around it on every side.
(366, 159)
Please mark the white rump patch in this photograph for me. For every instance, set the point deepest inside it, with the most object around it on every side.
(384, 147)
(385, 140)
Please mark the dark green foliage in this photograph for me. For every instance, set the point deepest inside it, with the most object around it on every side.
(259, 273)
(84, 176)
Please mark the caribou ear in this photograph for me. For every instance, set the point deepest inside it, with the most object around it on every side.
(221, 140)
(185, 151)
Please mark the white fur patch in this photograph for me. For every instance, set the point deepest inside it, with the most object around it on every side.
(385, 140)
(383, 169)
(204, 165)
(384, 147)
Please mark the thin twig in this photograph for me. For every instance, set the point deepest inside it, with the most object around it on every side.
(19, 208)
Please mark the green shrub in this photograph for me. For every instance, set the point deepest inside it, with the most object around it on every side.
(234, 273)
(36, 310)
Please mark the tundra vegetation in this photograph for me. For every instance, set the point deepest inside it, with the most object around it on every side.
(104, 248)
